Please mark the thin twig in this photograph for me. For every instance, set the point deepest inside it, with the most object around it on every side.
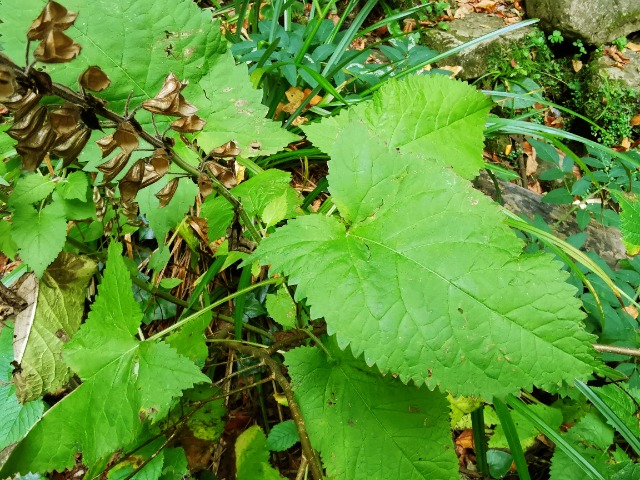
(307, 449)
(631, 352)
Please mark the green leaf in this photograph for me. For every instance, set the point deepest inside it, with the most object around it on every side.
(170, 283)
(30, 189)
(43, 329)
(283, 436)
(427, 281)
(526, 431)
(190, 340)
(256, 195)
(150, 471)
(124, 381)
(275, 211)
(252, 456)
(219, 214)
(74, 187)
(136, 43)
(206, 421)
(435, 115)
(282, 308)
(590, 437)
(234, 112)
(15, 418)
(161, 220)
(175, 465)
(629, 221)
(7, 245)
(39, 234)
(367, 426)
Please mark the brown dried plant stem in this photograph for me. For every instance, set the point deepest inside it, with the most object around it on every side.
(90, 102)
(631, 352)
(307, 449)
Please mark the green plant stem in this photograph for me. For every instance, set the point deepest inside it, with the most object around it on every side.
(479, 440)
(89, 102)
(307, 449)
(182, 322)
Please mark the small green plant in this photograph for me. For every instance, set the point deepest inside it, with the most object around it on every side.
(581, 49)
(556, 37)
(620, 43)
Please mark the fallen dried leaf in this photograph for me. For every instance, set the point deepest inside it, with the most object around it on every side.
(635, 121)
(576, 64)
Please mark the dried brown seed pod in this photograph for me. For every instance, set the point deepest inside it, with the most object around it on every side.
(94, 79)
(53, 17)
(56, 48)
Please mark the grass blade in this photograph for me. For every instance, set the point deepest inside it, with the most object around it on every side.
(555, 437)
(511, 434)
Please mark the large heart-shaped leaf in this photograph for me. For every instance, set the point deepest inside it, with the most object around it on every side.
(422, 276)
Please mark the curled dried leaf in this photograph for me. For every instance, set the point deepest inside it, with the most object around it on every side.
(65, 119)
(205, 186)
(7, 83)
(169, 101)
(53, 17)
(168, 191)
(113, 167)
(68, 148)
(107, 145)
(126, 137)
(190, 124)
(56, 48)
(94, 79)
(132, 181)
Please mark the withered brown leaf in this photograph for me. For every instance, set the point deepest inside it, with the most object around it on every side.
(56, 48)
(53, 17)
(168, 191)
(94, 79)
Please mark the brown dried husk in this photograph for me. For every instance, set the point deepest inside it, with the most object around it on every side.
(94, 79)
(169, 101)
(53, 17)
(168, 191)
(56, 47)
(113, 167)
(132, 181)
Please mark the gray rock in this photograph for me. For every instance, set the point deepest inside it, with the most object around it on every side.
(629, 75)
(472, 60)
(595, 21)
